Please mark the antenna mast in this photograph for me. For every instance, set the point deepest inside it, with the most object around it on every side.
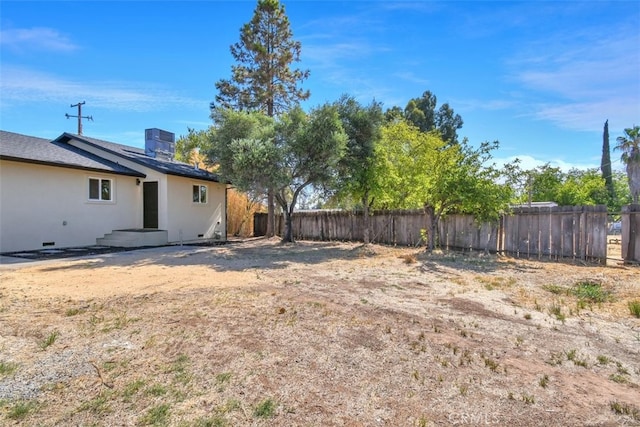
(79, 116)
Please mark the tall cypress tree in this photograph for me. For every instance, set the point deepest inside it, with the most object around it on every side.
(262, 78)
(605, 163)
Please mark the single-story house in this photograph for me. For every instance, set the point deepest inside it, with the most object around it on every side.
(81, 191)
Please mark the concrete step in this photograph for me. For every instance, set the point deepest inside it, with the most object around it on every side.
(133, 238)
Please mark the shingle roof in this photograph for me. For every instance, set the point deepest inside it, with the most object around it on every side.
(29, 149)
(137, 155)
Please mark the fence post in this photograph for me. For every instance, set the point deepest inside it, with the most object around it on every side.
(631, 214)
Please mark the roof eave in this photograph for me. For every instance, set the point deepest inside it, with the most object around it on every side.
(72, 166)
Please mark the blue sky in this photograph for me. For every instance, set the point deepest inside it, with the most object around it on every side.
(540, 77)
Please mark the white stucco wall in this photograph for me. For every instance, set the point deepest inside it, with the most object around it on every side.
(192, 221)
(50, 204)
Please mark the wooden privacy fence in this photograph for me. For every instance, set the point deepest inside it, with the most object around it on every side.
(578, 232)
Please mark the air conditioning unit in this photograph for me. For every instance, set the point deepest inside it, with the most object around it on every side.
(159, 144)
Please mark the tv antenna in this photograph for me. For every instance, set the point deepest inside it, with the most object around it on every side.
(79, 116)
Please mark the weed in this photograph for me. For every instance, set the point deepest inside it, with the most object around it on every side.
(157, 416)
(465, 358)
(422, 422)
(179, 368)
(132, 388)
(464, 389)
(572, 356)
(625, 409)
(229, 406)
(527, 316)
(491, 364)
(73, 312)
(621, 369)
(98, 405)
(7, 368)
(265, 409)
(410, 258)
(95, 320)
(544, 381)
(417, 347)
(416, 375)
(156, 390)
(528, 399)
(510, 396)
(20, 410)
(222, 379)
(537, 306)
(556, 310)
(109, 366)
(591, 292)
(555, 289)
(519, 341)
(49, 340)
(603, 360)
(120, 321)
(216, 421)
(556, 359)
(617, 378)
(634, 308)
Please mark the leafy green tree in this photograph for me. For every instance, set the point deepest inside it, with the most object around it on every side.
(542, 184)
(243, 147)
(403, 159)
(288, 154)
(419, 169)
(263, 78)
(582, 187)
(310, 148)
(423, 114)
(605, 164)
(629, 144)
(464, 181)
(192, 147)
(623, 195)
(357, 177)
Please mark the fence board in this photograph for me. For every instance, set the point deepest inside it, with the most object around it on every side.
(631, 233)
(542, 233)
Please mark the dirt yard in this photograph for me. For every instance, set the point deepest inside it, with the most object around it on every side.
(317, 334)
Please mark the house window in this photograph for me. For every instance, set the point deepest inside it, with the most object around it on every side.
(199, 194)
(100, 189)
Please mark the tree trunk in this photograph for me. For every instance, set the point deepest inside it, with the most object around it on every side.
(633, 175)
(634, 210)
(366, 218)
(271, 214)
(288, 233)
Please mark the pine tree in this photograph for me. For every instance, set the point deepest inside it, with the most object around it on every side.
(263, 80)
(605, 164)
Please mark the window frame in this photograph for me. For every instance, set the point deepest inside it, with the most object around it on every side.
(200, 194)
(101, 181)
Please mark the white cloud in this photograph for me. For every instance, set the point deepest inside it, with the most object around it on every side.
(589, 76)
(23, 86)
(37, 38)
(528, 162)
